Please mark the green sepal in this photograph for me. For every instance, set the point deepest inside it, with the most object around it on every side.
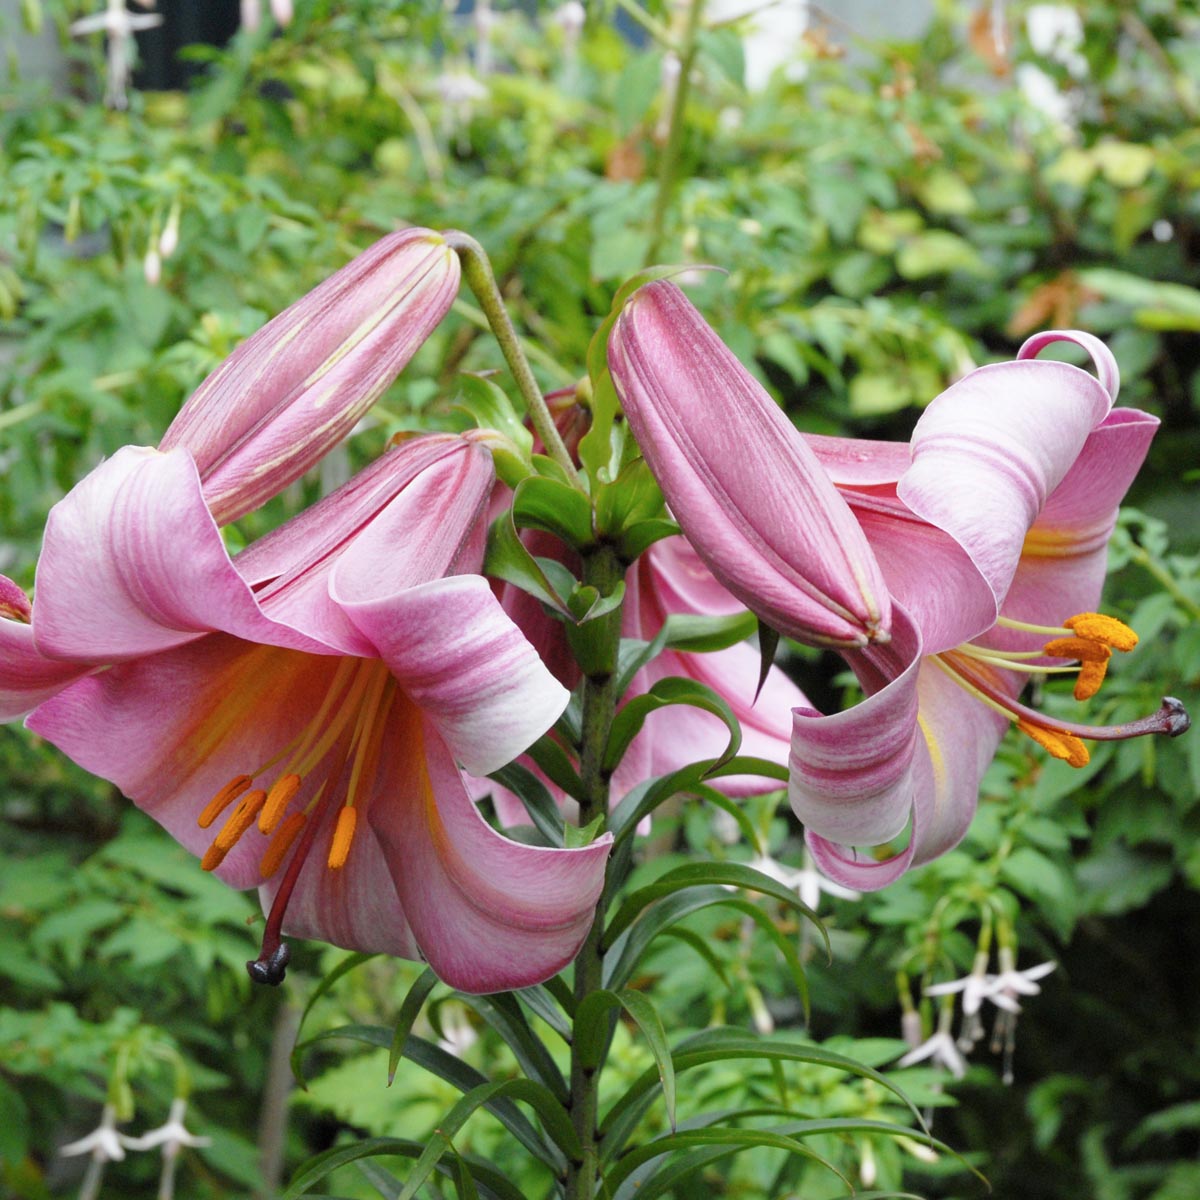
(593, 1031)
(768, 643)
(639, 537)
(580, 836)
(417, 995)
(673, 690)
(634, 496)
(557, 508)
(508, 558)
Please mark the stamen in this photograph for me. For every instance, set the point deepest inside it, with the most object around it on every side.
(1081, 648)
(343, 835)
(280, 844)
(1100, 628)
(243, 817)
(278, 798)
(1058, 744)
(1091, 676)
(222, 800)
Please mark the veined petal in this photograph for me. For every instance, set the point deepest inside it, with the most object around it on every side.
(1102, 357)
(459, 657)
(852, 773)
(988, 452)
(26, 676)
(132, 563)
(297, 387)
(860, 462)
(748, 493)
(1065, 555)
(489, 914)
(171, 729)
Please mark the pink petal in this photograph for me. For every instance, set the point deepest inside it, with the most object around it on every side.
(1102, 357)
(170, 730)
(133, 563)
(489, 914)
(748, 493)
(27, 677)
(860, 462)
(296, 388)
(989, 450)
(460, 658)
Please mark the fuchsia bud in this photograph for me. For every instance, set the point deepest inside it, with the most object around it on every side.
(292, 391)
(747, 491)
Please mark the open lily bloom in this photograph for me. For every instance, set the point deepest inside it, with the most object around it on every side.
(290, 392)
(747, 491)
(297, 716)
(991, 530)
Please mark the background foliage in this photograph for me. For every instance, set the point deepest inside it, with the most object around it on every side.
(897, 214)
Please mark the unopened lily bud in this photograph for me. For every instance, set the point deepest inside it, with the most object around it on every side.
(295, 389)
(747, 491)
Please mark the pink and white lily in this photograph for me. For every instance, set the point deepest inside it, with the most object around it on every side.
(293, 390)
(991, 530)
(747, 491)
(297, 715)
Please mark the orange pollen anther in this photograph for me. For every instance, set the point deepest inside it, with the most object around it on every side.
(1097, 627)
(282, 792)
(1083, 649)
(1058, 743)
(241, 820)
(281, 843)
(1090, 677)
(343, 835)
(223, 799)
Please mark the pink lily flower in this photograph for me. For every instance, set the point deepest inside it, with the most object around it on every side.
(293, 390)
(297, 716)
(991, 530)
(747, 491)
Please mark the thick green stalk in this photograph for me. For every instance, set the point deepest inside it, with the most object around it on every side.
(603, 570)
(668, 165)
(478, 273)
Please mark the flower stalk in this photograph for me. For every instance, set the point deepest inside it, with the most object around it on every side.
(603, 570)
(477, 270)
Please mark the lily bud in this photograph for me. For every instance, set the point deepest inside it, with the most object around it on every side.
(747, 491)
(292, 391)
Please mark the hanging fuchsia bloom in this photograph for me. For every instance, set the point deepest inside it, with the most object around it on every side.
(991, 530)
(746, 490)
(291, 392)
(297, 716)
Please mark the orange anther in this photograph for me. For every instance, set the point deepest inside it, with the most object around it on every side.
(278, 798)
(281, 843)
(343, 835)
(1058, 743)
(222, 800)
(1099, 628)
(241, 820)
(1090, 677)
(1083, 649)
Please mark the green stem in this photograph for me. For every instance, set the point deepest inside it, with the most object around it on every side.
(478, 272)
(1169, 583)
(603, 570)
(669, 163)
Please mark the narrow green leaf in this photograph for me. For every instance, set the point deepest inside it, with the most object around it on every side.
(629, 721)
(553, 1116)
(556, 765)
(504, 1014)
(539, 804)
(633, 654)
(636, 539)
(417, 995)
(768, 643)
(542, 1003)
(557, 508)
(593, 1030)
(697, 875)
(348, 964)
(691, 632)
(689, 937)
(508, 558)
